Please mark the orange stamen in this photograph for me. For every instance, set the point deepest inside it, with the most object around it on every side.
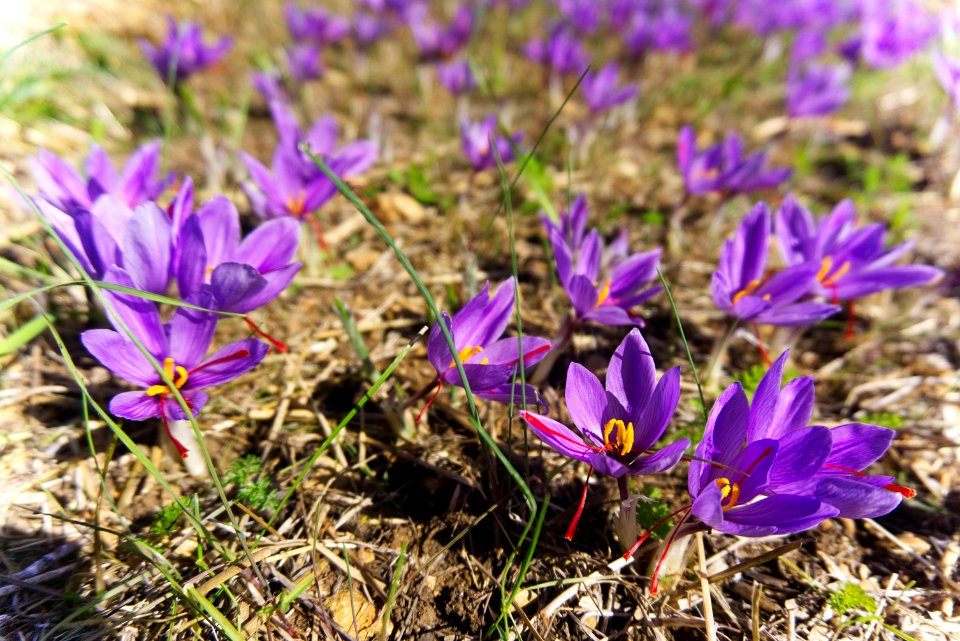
(746, 291)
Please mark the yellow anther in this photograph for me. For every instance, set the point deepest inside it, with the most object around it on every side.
(728, 490)
(746, 291)
(604, 293)
(825, 277)
(624, 440)
(174, 372)
(467, 353)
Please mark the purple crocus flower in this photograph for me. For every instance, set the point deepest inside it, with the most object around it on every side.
(852, 262)
(723, 167)
(603, 284)
(619, 425)
(475, 140)
(303, 61)
(600, 90)
(139, 182)
(742, 289)
(582, 15)
(183, 53)
(368, 28)
(894, 30)
(435, 41)
(816, 89)
(456, 76)
(242, 275)
(948, 73)
(561, 52)
(807, 45)
(270, 86)
(315, 25)
(294, 186)
(180, 346)
(572, 227)
(489, 361)
(667, 29)
(836, 479)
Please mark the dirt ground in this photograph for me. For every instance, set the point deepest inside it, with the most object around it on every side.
(405, 530)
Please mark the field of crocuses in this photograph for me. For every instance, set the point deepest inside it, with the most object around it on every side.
(480, 319)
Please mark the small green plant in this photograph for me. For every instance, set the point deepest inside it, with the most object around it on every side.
(166, 518)
(252, 491)
(885, 419)
(851, 597)
(650, 513)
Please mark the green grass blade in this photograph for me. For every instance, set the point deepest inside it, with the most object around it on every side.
(686, 345)
(9, 52)
(24, 334)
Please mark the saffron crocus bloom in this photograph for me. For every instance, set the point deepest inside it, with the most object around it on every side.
(489, 361)
(894, 30)
(368, 28)
(604, 284)
(723, 167)
(294, 186)
(852, 262)
(435, 41)
(600, 90)
(582, 15)
(561, 52)
(139, 182)
(456, 76)
(242, 274)
(667, 29)
(572, 226)
(740, 286)
(183, 53)
(303, 61)
(315, 25)
(816, 89)
(475, 140)
(836, 479)
(180, 347)
(617, 426)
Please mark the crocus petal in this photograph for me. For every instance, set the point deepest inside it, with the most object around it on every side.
(101, 173)
(220, 225)
(557, 436)
(631, 374)
(135, 406)
(138, 314)
(228, 363)
(857, 445)
(193, 258)
(120, 356)
(438, 350)
(137, 181)
(877, 280)
(786, 513)
(797, 314)
(508, 393)
(659, 411)
(661, 460)
(723, 436)
(98, 245)
(194, 398)
(794, 408)
(277, 281)
(800, 455)
(190, 332)
(790, 284)
(147, 249)
(480, 377)
(482, 321)
(613, 316)
(588, 263)
(583, 294)
(764, 403)
(234, 284)
(354, 158)
(855, 499)
(586, 401)
(271, 245)
(506, 351)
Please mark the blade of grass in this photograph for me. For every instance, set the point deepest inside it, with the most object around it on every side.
(392, 593)
(24, 334)
(9, 52)
(686, 345)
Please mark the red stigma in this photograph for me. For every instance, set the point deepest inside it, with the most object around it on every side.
(532, 353)
(430, 402)
(318, 231)
(166, 426)
(905, 492)
(571, 530)
(763, 350)
(277, 345)
(538, 424)
(240, 353)
(851, 322)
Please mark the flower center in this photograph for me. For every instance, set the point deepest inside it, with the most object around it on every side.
(624, 436)
(729, 491)
(603, 294)
(174, 372)
(746, 291)
(825, 277)
(467, 353)
(296, 204)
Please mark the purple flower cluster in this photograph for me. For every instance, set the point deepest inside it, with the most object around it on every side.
(831, 259)
(117, 231)
(183, 52)
(604, 283)
(476, 137)
(723, 167)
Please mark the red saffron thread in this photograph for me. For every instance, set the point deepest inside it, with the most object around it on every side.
(166, 426)
(636, 546)
(240, 353)
(537, 423)
(432, 399)
(763, 350)
(318, 231)
(851, 322)
(656, 572)
(906, 492)
(277, 345)
(571, 530)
